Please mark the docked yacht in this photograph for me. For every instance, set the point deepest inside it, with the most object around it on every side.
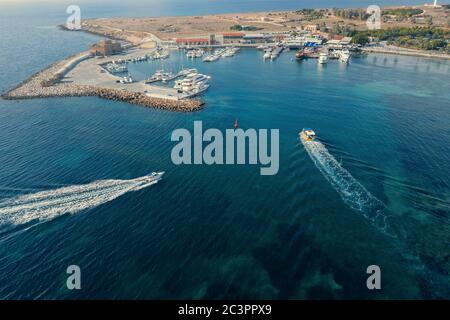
(276, 52)
(211, 58)
(114, 67)
(344, 56)
(191, 81)
(195, 53)
(267, 53)
(323, 57)
(193, 84)
(168, 76)
(185, 72)
(125, 80)
(158, 76)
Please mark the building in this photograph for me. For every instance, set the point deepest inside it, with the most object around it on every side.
(105, 48)
(311, 27)
(278, 37)
(255, 38)
(192, 41)
(212, 39)
(339, 42)
(233, 37)
(346, 41)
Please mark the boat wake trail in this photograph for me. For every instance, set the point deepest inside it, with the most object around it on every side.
(353, 193)
(47, 205)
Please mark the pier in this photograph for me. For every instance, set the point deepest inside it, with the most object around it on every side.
(82, 75)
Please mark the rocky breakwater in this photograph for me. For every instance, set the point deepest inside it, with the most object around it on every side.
(141, 99)
(47, 83)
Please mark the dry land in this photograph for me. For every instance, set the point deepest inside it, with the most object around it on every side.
(144, 30)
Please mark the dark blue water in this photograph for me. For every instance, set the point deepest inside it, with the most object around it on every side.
(226, 231)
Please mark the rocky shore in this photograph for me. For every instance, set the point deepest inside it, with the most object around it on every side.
(45, 84)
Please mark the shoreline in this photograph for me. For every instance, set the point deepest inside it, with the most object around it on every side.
(406, 52)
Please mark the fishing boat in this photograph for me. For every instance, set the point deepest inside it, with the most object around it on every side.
(310, 53)
(300, 55)
(307, 134)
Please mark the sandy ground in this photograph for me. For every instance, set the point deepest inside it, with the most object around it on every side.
(143, 30)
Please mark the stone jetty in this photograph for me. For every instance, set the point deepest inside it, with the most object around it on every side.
(47, 83)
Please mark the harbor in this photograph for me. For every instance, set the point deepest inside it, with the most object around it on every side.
(84, 75)
(365, 183)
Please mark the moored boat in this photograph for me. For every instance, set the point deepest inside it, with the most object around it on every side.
(323, 57)
(344, 56)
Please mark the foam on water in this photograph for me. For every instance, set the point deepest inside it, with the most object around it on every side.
(357, 197)
(47, 205)
(353, 193)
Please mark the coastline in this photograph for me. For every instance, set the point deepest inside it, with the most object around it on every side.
(80, 74)
(406, 52)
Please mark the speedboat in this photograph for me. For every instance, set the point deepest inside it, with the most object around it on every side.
(152, 178)
(156, 176)
(307, 134)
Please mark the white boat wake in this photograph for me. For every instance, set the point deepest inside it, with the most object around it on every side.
(353, 193)
(47, 205)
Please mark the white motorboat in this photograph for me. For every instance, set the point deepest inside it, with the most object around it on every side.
(344, 56)
(323, 57)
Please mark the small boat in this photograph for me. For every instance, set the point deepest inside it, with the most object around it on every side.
(185, 72)
(344, 56)
(168, 76)
(307, 134)
(158, 76)
(125, 80)
(211, 58)
(323, 57)
(153, 177)
(267, 55)
(300, 55)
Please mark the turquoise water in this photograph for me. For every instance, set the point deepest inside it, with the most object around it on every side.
(225, 231)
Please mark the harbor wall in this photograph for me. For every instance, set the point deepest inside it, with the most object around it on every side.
(137, 98)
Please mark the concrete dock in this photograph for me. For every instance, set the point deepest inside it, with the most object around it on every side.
(80, 75)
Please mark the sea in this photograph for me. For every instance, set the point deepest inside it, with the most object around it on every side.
(373, 190)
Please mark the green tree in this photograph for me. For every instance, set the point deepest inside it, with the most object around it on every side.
(361, 39)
